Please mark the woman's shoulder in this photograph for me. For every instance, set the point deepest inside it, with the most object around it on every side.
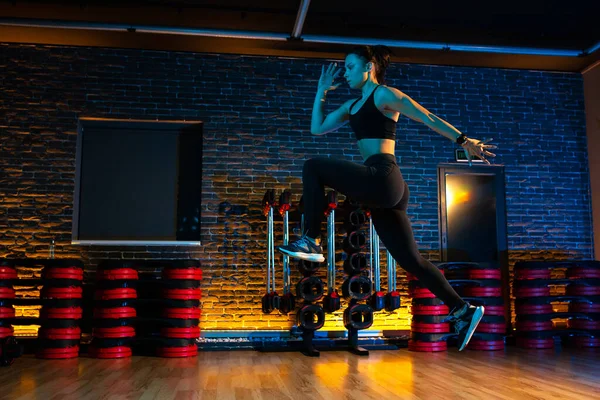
(384, 89)
(387, 93)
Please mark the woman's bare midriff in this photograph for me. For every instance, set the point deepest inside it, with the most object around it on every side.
(370, 147)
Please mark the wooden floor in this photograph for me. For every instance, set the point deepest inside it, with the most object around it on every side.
(512, 374)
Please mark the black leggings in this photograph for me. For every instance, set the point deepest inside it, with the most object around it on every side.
(379, 185)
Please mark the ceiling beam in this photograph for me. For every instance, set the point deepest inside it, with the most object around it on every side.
(302, 11)
(280, 44)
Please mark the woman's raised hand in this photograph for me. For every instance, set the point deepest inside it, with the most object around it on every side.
(326, 81)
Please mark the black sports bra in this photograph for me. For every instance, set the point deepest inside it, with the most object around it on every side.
(369, 123)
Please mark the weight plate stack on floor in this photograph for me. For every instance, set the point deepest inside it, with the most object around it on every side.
(428, 331)
(180, 340)
(535, 289)
(169, 309)
(533, 321)
(480, 284)
(9, 348)
(585, 287)
(8, 274)
(61, 296)
(114, 309)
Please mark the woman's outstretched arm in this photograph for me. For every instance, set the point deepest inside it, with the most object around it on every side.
(394, 99)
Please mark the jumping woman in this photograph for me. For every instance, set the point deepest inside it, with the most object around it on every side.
(378, 183)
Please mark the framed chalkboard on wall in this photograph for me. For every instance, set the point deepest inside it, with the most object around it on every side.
(137, 182)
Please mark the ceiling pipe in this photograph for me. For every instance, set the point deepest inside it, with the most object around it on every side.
(302, 11)
(593, 48)
(441, 46)
(256, 35)
(97, 26)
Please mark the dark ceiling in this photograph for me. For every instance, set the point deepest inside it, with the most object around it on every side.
(538, 25)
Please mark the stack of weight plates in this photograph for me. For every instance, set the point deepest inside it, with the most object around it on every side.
(114, 309)
(59, 334)
(7, 274)
(180, 309)
(428, 331)
(481, 284)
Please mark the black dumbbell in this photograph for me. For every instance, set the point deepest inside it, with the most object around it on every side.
(287, 302)
(357, 287)
(310, 288)
(358, 317)
(310, 317)
(331, 302)
(377, 300)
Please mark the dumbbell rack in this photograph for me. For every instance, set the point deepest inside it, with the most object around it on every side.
(539, 285)
(357, 287)
(311, 316)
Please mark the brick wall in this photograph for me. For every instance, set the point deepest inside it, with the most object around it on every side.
(256, 114)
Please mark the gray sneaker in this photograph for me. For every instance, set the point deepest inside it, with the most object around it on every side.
(465, 321)
(303, 249)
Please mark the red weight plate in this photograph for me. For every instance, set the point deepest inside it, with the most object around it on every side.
(182, 313)
(586, 341)
(523, 274)
(110, 352)
(7, 293)
(429, 328)
(430, 310)
(533, 326)
(421, 293)
(476, 291)
(484, 274)
(582, 273)
(5, 332)
(117, 274)
(115, 294)
(415, 345)
(181, 333)
(115, 313)
(114, 333)
(7, 312)
(62, 293)
(584, 307)
(68, 352)
(174, 352)
(494, 310)
(486, 345)
(528, 343)
(532, 291)
(182, 294)
(60, 333)
(533, 309)
(63, 273)
(188, 273)
(581, 290)
(489, 327)
(577, 323)
(8, 273)
(61, 313)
